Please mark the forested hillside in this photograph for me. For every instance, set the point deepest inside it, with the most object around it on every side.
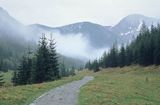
(144, 50)
(11, 50)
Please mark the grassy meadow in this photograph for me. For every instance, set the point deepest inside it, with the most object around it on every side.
(24, 95)
(133, 85)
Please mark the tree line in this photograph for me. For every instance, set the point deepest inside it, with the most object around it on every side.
(144, 50)
(40, 66)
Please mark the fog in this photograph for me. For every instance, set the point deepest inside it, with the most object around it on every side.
(76, 46)
(71, 45)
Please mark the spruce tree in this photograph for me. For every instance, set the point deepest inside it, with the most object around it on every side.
(95, 66)
(1, 79)
(30, 66)
(15, 80)
(53, 72)
(22, 75)
(104, 60)
(156, 58)
(113, 57)
(88, 65)
(42, 62)
(129, 56)
(122, 57)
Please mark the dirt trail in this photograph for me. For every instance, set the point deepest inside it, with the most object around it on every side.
(64, 95)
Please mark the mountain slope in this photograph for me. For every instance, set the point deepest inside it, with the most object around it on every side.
(102, 36)
(92, 37)
(98, 36)
(12, 41)
(15, 38)
(129, 27)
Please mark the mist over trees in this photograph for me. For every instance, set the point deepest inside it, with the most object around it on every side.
(11, 50)
(39, 67)
(144, 50)
(42, 65)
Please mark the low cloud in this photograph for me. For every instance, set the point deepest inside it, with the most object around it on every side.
(76, 46)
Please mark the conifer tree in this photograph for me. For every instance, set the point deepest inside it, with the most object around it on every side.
(156, 54)
(95, 66)
(1, 79)
(122, 57)
(42, 62)
(129, 56)
(22, 75)
(113, 57)
(53, 72)
(15, 78)
(104, 60)
(88, 65)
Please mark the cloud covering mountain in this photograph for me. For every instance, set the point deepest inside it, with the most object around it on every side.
(83, 40)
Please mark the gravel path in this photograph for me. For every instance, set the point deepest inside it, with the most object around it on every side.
(64, 95)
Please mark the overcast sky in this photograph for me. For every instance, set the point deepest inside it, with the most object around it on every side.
(62, 12)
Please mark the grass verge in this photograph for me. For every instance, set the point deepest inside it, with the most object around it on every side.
(24, 95)
(133, 85)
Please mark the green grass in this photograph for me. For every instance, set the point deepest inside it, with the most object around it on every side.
(24, 95)
(133, 85)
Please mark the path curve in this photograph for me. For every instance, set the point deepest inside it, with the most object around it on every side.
(64, 95)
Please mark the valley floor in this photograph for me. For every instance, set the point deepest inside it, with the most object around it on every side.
(133, 85)
(26, 94)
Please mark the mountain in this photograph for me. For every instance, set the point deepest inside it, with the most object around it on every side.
(102, 36)
(12, 31)
(11, 27)
(98, 36)
(15, 38)
(89, 37)
(129, 27)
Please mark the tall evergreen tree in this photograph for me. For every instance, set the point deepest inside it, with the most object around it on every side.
(88, 65)
(1, 79)
(15, 80)
(129, 56)
(22, 75)
(122, 57)
(95, 66)
(156, 52)
(104, 60)
(53, 72)
(42, 63)
(113, 57)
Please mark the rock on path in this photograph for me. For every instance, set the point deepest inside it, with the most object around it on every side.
(64, 95)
